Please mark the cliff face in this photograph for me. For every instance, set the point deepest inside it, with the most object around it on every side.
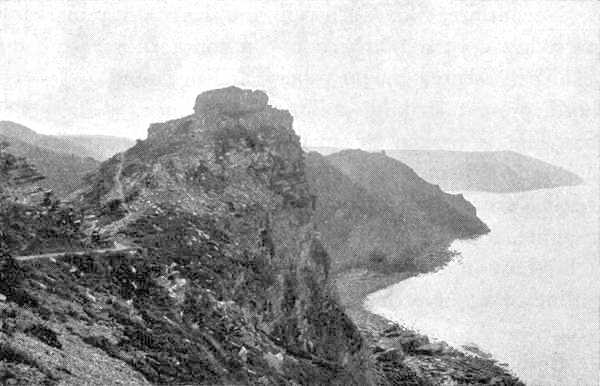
(417, 201)
(358, 227)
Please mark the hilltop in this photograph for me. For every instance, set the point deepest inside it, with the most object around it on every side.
(491, 171)
(62, 160)
(63, 172)
(98, 147)
(448, 215)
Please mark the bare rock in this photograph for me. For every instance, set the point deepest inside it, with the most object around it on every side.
(231, 101)
(390, 355)
(432, 348)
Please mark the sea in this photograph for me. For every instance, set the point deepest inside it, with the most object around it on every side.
(527, 293)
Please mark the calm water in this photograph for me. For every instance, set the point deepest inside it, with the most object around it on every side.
(528, 292)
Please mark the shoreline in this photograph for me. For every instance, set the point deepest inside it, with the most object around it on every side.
(355, 284)
(433, 362)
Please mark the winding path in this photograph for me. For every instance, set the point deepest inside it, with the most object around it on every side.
(118, 247)
(116, 192)
(118, 185)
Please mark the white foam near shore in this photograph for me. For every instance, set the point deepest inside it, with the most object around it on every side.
(527, 292)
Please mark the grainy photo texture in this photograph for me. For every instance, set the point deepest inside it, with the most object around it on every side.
(366, 193)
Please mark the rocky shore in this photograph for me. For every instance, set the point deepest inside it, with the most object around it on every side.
(435, 363)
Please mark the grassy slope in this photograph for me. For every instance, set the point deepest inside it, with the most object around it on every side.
(354, 224)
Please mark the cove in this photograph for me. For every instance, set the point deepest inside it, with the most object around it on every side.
(527, 292)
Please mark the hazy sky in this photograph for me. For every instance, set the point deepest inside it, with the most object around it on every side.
(520, 75)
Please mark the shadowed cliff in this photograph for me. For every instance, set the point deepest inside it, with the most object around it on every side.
(373, 209)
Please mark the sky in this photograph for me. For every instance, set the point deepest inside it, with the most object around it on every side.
(484, 75)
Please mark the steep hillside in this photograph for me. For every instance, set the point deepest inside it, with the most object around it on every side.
(493, 171)
(17, 175)
(218, 275)
(63, 172)
(231, 284)
(50, 142)
(30, 221)
(357, 227)
(415, 200)
(97, 147)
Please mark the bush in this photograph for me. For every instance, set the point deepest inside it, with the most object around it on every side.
(11, 274)
(102, 343)
(45, 335)
(377, 256)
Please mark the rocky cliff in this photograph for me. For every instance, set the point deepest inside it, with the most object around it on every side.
(449, 216)
(360, 229)
(238, 162)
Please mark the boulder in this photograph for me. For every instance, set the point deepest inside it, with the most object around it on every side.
(386, 343)
(410, 343)
(274, 361)
(432, 348)
(390, 355)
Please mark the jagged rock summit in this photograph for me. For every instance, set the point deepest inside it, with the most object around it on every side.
(222, 108)
(232, 132)
(231, 101)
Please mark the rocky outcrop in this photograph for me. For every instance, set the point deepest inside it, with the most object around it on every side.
(237, 162)
(231, 101)
(408, 357)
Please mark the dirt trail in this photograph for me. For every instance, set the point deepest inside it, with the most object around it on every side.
(118, 247)
(116, 192)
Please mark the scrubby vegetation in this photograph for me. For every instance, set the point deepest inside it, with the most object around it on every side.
(184, 310)
(31, 229)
